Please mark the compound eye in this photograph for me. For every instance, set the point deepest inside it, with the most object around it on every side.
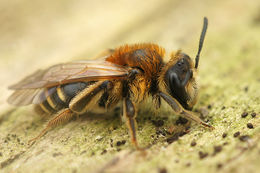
(179, 64)
(177, 78)
(177, 87)
(181, 68)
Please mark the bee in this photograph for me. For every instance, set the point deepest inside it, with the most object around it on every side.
(125, 76)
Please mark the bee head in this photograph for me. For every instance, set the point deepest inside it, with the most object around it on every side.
(180, 75)
(180, 79)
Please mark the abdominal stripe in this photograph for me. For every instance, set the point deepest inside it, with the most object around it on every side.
(57, 98)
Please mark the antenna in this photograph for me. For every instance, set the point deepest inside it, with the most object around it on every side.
(202, 37)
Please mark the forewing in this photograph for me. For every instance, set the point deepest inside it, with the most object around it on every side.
(32, 89)
(29, 96)
(78, 71)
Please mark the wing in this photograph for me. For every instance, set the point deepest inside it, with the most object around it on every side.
(28, 96)
(79, 71)
(32, 88)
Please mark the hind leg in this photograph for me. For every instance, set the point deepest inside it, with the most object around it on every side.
(79, 104)
(61, 117)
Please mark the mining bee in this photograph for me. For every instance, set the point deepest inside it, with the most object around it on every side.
(125, 76)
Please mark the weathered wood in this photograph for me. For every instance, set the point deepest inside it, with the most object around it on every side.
(36, 34)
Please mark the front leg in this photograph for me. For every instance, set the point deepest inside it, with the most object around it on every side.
(129, 113)
(176, 106)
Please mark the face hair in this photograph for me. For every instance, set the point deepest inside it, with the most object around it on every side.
(202, 37)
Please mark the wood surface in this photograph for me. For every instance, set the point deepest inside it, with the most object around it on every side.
(37, 34)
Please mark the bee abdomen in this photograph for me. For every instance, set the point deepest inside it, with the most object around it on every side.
(57, 98)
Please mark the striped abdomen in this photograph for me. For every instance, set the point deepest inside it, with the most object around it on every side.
(57, 98)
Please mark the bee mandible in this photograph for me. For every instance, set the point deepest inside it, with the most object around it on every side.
(125, 76)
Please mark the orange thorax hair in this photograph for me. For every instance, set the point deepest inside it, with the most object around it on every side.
(148, 57)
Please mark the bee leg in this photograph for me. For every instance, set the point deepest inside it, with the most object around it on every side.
(62, 116)
(180, 110)
(129, 114)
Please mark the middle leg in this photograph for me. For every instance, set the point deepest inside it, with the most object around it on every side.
(129, 113)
